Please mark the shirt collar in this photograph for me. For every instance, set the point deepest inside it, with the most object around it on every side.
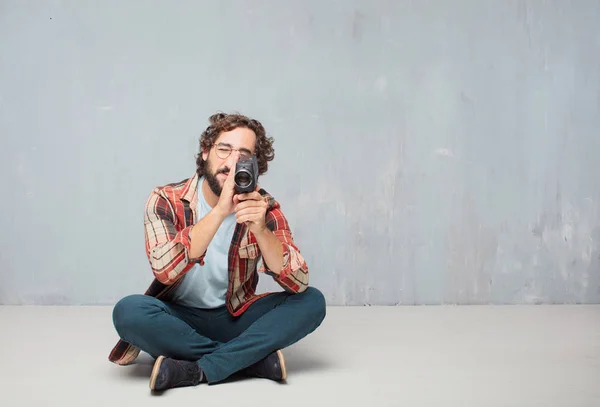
(190, 191)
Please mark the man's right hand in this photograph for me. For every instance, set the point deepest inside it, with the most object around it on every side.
(226, 203)
(204, 230)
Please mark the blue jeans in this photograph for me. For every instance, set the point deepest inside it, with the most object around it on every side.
(220, 343)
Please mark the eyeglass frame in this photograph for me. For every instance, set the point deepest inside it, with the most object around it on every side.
(245, 154)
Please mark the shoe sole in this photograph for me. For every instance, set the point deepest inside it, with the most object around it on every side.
(155, 370)
(282, 363)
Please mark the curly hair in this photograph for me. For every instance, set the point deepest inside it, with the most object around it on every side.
(221, 122)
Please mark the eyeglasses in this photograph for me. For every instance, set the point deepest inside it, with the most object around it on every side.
(224, 151)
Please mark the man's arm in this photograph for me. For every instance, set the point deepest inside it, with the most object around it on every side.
(167, 249)
(271, 250)
(203, 232)
(171, 253)
(293, 273)
(281, 258)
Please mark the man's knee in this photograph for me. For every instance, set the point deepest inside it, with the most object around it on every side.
(128, 314)
(316, 303)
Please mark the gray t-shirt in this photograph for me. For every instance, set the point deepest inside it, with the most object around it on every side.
(206, 286)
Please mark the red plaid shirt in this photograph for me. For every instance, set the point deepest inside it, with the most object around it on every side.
(170, 213)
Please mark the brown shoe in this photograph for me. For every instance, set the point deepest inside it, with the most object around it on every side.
(272, 367)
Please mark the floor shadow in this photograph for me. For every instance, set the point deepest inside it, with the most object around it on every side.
(298, 360)
(138, 371)
(236, 377)
(145, 358)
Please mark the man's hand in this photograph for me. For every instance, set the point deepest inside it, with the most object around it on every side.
(226, 204)
(251, 209)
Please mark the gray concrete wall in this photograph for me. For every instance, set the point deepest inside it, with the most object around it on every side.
(426, 152)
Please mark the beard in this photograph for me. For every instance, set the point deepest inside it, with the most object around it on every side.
(211, 178)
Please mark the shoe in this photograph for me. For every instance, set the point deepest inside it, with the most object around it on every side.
(168, 373)
(272, 367)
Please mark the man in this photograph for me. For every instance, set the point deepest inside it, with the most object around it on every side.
(201, 318)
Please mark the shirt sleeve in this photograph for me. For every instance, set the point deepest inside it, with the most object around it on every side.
(167, 249)
(294, 273)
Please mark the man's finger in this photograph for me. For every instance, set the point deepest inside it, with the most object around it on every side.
(250, 195)
(233, 159)
(245, 218)
(249, 211)
(245, 196)
(247, 204)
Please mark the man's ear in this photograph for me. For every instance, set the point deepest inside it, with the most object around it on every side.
(205, 154)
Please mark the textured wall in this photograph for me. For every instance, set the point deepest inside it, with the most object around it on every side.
(426, 152)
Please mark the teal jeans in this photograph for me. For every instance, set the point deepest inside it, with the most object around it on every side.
(220, 343)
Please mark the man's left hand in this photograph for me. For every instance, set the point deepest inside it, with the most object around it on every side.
(251, 208)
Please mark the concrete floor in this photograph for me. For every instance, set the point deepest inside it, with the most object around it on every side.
(361, 356)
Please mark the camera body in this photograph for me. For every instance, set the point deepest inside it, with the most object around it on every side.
(246, 175)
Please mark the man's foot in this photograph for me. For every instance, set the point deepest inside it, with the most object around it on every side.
(272, 367)
(168, 373)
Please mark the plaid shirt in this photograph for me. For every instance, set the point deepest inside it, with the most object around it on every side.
(170, 213)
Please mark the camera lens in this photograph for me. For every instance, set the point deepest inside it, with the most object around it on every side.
(242, 179)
